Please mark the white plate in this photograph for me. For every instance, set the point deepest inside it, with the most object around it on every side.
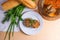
(33, 15)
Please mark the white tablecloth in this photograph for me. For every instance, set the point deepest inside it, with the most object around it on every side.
(4, 27)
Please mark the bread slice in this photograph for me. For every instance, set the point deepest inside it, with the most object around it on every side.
(28, 3)
(9, 5)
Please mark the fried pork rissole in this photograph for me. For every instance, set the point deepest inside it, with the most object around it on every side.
(28, 3)
(9, 5)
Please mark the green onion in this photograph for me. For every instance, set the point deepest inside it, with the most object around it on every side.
(12, 15)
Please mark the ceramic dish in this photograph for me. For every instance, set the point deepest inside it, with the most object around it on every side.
(33, 15)
(43, 13)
